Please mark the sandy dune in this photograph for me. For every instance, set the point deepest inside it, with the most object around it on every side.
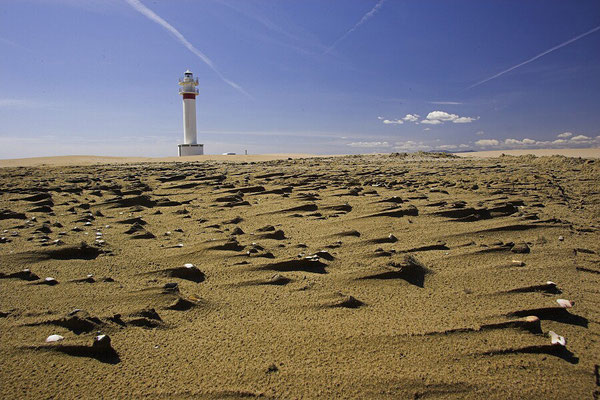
(93, 160)
(381, 276)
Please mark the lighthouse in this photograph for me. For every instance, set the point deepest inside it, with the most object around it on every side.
(188, 92)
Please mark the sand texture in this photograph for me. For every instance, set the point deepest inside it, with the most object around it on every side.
(357, 277)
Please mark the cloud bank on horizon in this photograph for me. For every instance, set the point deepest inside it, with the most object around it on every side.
(563, 140)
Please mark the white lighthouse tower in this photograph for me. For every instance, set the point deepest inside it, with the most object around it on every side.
(188, 91)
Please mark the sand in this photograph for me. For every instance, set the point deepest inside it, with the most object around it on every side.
(101, 160)
(329, 277)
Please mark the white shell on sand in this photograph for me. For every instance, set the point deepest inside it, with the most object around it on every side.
(557, 339)
(50, 279)
(550, 283)
(188, 265)
(565, 303)
(54, 338)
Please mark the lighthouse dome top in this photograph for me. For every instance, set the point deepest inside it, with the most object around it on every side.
(188, 72)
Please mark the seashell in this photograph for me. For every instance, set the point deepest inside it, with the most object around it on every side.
(565, 303)
(557, 339)
(54, 338)
(179, 245)
(561, 238)
(550, 283)
(188, 265)
(50, 281)
(102, 344)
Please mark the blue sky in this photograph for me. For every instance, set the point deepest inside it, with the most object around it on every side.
(311, 76)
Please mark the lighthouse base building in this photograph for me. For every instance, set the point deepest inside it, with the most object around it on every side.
(188, 92)
(191, 149)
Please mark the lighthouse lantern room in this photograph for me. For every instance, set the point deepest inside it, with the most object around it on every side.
(188, 92)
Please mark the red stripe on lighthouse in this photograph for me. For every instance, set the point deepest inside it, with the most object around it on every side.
(189, 96)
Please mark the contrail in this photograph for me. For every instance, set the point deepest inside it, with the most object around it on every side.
(536, 57)
(151, 15)
(364, 19)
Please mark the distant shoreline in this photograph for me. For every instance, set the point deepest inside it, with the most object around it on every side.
(92, 160)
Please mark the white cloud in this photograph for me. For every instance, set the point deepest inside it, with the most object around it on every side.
(369, 144)
(565, 135)
(512, 141)
(447, 147)
(18, 103)
(442, 116)
(410, 145)
(480, 133)
(580, 138)
(427, 129)
(411, 117)
(524, 142)
(574, 142)
(433, 118)
(445, 102)
(464, 120)
(487, 142)
(431, 121)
